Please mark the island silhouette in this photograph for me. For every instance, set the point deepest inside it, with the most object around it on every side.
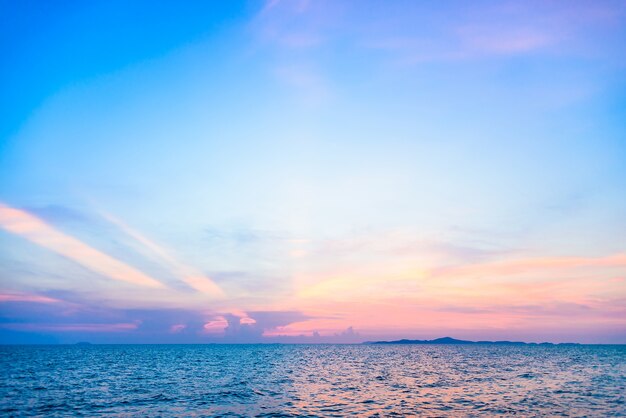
(454, 341)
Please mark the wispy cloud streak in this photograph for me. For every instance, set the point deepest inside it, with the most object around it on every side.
(24, 224)
(117, 327)
(522, 266)
(21, 297)
(187, 274)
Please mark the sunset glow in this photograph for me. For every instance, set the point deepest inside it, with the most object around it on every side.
(313, 171)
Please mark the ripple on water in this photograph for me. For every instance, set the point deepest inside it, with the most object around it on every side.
(310, 380)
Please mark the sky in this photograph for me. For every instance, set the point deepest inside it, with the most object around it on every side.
(312, 171)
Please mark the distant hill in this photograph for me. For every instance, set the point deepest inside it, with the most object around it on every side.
(454, 341)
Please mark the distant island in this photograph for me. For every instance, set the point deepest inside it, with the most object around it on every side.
(454, 341)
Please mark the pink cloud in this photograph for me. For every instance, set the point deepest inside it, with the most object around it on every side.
(524, 265)
(247, 321)
(21, 297)
(117, 327)
(215, 326)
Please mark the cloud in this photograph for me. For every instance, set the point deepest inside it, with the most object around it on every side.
(296, 24)
(21, 297)
(82, 320)
(86, 321)
(305, 332)
(348, 332)
(554, 309)
(216, 325)
(185, 273)
(531, 264)
(73, 327)
(398, 295)
(292, 31)
(415, 32)
(402, 243)
(28, 226)
(253, 326)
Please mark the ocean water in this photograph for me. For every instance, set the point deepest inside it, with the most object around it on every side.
(312, 380)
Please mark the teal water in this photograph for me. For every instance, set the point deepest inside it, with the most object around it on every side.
(312, 380)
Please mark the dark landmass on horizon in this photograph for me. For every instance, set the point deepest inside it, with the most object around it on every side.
(453, 341)
(404, 341)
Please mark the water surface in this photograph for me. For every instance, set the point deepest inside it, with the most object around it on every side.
(312, 380)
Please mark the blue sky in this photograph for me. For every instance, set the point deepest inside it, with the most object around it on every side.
(310, 170)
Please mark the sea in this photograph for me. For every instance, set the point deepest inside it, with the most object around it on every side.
(284, 380)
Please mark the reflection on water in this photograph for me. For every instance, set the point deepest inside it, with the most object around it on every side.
(312, 380)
